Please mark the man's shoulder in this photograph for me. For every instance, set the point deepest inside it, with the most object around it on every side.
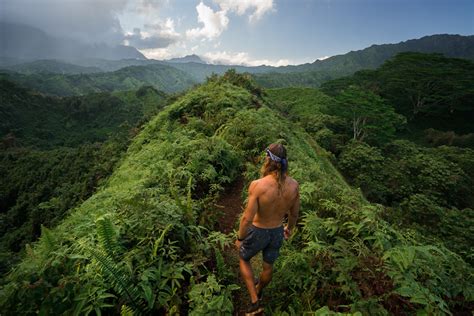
(292, 182)
(260, 186)
(255, 185)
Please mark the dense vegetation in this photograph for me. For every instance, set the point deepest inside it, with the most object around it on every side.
(55, 152)
(38, 188)
(431, 91)
(161, 77)
(142, 243)
(378, 139)
(30, 119)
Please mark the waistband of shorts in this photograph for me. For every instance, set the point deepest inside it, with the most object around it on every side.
(267, 229)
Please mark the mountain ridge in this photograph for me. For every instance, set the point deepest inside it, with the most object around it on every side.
(186, 59)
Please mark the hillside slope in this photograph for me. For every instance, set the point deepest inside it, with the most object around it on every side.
(429, 89)
(50, 66)
(161, 77)
(145, 240)
(29, 119)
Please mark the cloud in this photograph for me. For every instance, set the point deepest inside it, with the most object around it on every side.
(158, 53)
(146, 7)
(157, 35)
(143, 40)
(259, 7)
(323, 58)
(214, 23)
(241, 58)
(84, 20)
(96, 21)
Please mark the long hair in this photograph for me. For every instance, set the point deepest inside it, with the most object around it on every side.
(280, 168)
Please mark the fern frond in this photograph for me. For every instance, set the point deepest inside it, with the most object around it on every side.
(121, 282)
(107, 236)
(159, 242)
(48, 239)
(126, 311)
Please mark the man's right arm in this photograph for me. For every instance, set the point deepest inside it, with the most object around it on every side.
(294, 211)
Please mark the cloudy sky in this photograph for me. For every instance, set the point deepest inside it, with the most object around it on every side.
(250, 32)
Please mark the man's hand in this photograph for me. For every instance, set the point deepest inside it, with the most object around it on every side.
(286, 233)
(237, 244)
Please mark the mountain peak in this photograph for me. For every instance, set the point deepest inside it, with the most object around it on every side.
(187, 59)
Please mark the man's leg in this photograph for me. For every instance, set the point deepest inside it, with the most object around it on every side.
(265, 277)
(247, 274)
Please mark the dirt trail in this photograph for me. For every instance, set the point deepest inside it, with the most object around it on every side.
(231, 203)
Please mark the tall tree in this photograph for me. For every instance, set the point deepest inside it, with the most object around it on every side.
(370, 118)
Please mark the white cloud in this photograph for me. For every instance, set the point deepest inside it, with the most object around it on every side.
(158, 35)
(158, 53)
(146, 7)
(323, 58)
(214, 23)
(241, 58)
(260, 7)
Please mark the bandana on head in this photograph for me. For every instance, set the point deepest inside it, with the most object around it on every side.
(275, 158)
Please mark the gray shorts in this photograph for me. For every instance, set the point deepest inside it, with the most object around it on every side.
(267, 240)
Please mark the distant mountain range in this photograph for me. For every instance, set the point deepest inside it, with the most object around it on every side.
(49, 56)
(320, 71)
(371, 57)
(29, 43)
(187, 59)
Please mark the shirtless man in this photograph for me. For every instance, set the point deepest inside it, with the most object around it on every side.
(270, 198)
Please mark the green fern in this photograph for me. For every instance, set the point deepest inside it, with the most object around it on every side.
(121, 282)
(126, 311)
(107, 236)
(48, 239)
(159, 242)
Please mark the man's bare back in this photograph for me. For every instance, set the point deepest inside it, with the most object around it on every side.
(273, 202)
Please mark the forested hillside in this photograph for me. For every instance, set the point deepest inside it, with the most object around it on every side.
(145, 242)
(161, 77)
(430, 90)
(403, 134)
(50, 66)
(29, 119)
(56, 151)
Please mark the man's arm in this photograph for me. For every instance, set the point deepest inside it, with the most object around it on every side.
(250, 210)
(293, 214)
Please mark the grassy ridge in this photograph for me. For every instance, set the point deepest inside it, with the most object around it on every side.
(136, 244)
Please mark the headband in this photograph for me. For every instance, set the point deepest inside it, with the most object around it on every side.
(275, 158)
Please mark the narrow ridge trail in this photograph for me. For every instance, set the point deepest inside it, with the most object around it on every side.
(231, 204)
